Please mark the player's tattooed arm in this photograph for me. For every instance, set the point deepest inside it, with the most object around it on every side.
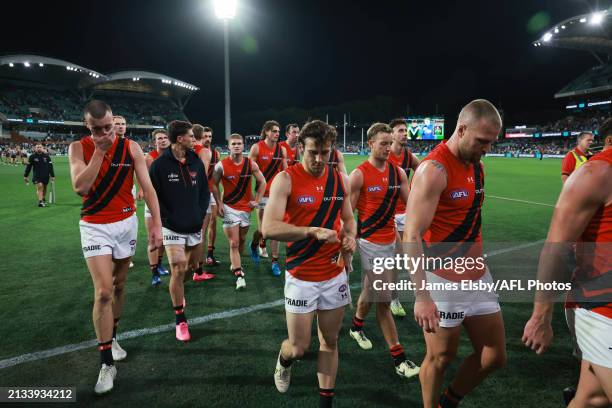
(260, 181)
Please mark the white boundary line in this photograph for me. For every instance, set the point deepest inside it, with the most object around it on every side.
(519, 201)
(39, 355)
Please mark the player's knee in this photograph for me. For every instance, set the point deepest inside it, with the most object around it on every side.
(104, 296)
(298, 350)
(329, 341)
(234, 244)
(178, 267)
(441, 360)
(494, 361)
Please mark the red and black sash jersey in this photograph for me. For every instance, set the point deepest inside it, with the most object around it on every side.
(458, 215)
(293, 155)
(315, 202)
(377, 201)
(237, 192)
(154, 154)
(404, 161)
(592, 278)
(334, 159)
(110, 197)
(270, 162)
(214, 159)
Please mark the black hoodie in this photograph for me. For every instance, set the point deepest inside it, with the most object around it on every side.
(182, 191)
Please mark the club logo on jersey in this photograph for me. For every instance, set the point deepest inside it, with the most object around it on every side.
(459, 194)
(173, 178)
(126, 209)
(306, 199)
(374, 189)
(133, 242)
(92, 248)
(230, 177)
(193, 174)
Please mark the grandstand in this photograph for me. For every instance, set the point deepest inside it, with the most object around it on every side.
(43, 97)
(587, 99)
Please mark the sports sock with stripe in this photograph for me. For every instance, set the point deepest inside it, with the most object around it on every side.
(326, 396)
(211, 249)
(357, 324)
(179, 311)
(106, 352)
(154, 270)
(397, 352)
(449, 398)
(238, 271)
(115, 324)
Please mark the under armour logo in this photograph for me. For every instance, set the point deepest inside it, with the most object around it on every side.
(470, 179)
(319, 188)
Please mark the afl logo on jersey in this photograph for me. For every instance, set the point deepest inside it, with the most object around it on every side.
(459, 194)
(306, 199)
(374, 189)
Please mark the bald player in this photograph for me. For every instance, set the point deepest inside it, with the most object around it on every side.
(444, 206)
(577, 156)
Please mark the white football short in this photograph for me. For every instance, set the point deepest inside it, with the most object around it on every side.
(304, 296)
(454, 305)
(594, 336)
(400, 221)
(116, 238)
(175, 238)
(233, 217)
(211, 203)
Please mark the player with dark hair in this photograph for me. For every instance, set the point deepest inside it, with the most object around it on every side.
(235, 172)
(376, 187)
(43, 170)
(292, 131)
(211, 223)
(270, 156)
(102, 168)
(179, 178)
(161, 141)
(309, 209)
(444, 211)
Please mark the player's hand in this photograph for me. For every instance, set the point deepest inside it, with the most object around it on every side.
(253, 204)
(426, 313)
(538, 334)
(140, 194)
(155, 238)
(324, 234)
(103, 143)
(220, 211)
(348, 245)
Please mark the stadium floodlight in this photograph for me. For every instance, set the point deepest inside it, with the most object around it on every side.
(556, 31)
(597, 18)
(225, 9)
(583, 20)
(563, 27)
(26, 64)
(11, 64)
(547, 37)
(40, 64)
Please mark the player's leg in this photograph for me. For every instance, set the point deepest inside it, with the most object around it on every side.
(100, 268)
(328, 327)
(199, 274)
(212, 235)
(120, 270)
(487, 334)
(257, 236)
(363, 308)
(441, 349)
(152, 255)
(178, 268)
(396, 307)
(299, 328)
(44, 190)
(274, 245)
(590, 392)
(39, 194)
(232, 232)
(242, 238)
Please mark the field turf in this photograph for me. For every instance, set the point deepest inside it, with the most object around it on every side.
(46, 299)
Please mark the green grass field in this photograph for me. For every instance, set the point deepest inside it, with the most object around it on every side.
(46, 299)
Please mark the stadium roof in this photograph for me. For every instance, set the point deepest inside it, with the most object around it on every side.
(588, 32)
(147, 82)
(48, 71)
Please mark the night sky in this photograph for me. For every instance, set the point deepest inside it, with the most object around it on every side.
(307, 53)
